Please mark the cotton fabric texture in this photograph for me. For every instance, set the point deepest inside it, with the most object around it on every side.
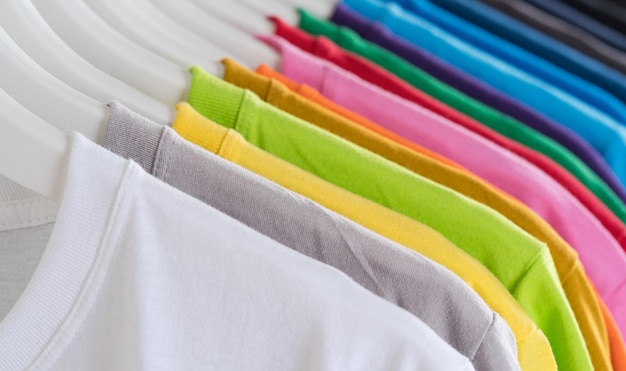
(562, 32)
(609, 13)
(570, 14)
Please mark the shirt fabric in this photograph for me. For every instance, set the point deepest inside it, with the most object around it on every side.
(533, 348)
(609, 13)
(20, 253)
(378, 33)
(601, 131)
(457, 217)
(137, 274)
(561, 31)
(616, 341)
(315, 96)
(540, 44)
(580, 19)
(429, 291)
(275, 93)
(588, 92)
(415, 124)
(579, 292)
(381, 78)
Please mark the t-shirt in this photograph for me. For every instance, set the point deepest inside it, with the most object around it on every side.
(616, 341)
(434, 11)
(424, 288)
(608, 12)
(576, 285)
(604, 133)
(507, 126)
(136, 274)
(468, 224)
(20, 252)
(561, 31)
(533, 348)
(486, 160)
(579, 19)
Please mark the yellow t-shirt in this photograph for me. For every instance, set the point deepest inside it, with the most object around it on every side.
(576, 285)
(533, 348)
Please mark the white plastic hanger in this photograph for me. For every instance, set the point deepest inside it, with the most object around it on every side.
(29, 30)
(113, 53)
(238, 15)
(273, 7)
(33, 153)
(321, 8)
(47, 97)
(140, 22)
(241, 45)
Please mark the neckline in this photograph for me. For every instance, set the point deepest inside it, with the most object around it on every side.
(43, 319)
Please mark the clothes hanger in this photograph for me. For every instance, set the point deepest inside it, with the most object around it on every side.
(29, 30)
(240, 44)
(112, 52)
(272, 7)
(286, 10)
(33, 153)
(47, 97)
(238, 15)
(141, 22)
(321, 8)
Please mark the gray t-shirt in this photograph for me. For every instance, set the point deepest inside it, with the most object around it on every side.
(429, 291)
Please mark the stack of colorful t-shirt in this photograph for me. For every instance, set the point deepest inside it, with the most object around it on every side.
(420, 184)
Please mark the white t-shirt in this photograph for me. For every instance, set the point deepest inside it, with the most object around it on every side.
(139, 276)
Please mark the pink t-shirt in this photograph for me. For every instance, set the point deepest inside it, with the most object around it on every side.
(601, 255)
